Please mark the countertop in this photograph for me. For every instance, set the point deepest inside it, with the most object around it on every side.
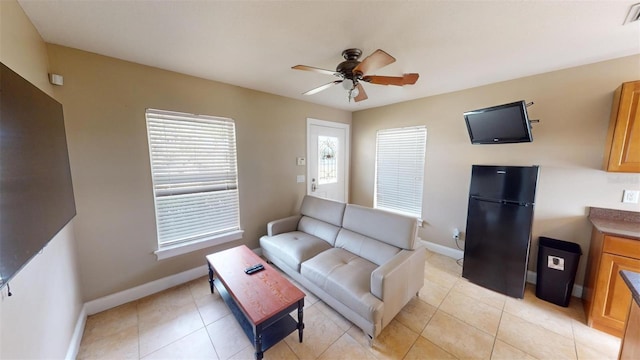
(616, 222)
(633, 282)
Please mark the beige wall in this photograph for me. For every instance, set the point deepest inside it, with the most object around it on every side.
(573, 106)
(39, 319)
(105, 100)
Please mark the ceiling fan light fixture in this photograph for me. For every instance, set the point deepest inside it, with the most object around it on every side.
(347, 84)
(353, 93)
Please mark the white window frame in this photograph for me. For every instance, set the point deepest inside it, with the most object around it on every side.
(399, 170)
(194, 173)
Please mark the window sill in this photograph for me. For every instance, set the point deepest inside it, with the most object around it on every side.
(169, 252)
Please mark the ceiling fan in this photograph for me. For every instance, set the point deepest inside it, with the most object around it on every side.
(353, 72)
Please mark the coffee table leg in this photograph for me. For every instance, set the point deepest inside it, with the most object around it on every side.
(211, 278)
(300, 316)
(258, 342)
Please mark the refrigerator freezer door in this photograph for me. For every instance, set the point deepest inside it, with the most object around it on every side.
(509, 183)
(496, 248)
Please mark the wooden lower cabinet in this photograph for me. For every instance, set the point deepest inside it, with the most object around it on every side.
(614, 299)
(607, 298)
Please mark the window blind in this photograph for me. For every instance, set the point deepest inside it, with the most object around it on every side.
(400, 169)
(195, 177)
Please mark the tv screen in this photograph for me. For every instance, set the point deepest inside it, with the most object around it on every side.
(508, 123)
(36, 194)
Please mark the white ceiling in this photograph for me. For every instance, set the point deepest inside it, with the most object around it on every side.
(454, 45)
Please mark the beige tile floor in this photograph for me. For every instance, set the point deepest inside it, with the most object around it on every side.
(451, 318)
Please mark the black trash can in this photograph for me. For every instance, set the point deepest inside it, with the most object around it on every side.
(557, 267)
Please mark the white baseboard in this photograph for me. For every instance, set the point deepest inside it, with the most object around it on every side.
(458, 254)
(138, 292)
(76, 338)
(443, 250)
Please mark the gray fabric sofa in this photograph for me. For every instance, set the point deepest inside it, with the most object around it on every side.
(362, 262)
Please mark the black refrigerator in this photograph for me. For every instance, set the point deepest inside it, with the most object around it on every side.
(498, 234)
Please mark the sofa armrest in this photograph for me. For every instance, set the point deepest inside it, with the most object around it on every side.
(280, 226)
(398, 280)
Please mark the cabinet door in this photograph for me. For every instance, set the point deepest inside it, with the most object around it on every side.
(623, 147)
(612, 298)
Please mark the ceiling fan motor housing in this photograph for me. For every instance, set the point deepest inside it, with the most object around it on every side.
(346, 67)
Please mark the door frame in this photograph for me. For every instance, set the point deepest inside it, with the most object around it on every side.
(347, 153)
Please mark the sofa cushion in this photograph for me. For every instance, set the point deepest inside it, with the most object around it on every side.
(373, 250)
(393, 229)
(293, 247)
(320, 229)
(322, 209)
(346, 277)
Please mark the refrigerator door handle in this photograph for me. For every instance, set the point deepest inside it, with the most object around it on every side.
(500, 201)
(525, 204)
(480, 198)
(507, 202)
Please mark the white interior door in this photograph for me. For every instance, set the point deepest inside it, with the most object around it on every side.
(328, 159)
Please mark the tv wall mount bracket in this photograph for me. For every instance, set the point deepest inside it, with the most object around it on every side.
(532, 121)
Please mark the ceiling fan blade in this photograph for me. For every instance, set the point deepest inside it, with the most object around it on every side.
(322, 87)
(405, 79)
(362, 95)
(314, 69)
(373, 62)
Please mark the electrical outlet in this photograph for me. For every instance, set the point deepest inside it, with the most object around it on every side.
(631, 196)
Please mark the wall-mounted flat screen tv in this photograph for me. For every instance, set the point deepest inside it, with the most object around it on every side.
(36, 194)
(508, 123)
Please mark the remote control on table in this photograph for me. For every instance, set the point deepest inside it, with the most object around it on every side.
(254, 269)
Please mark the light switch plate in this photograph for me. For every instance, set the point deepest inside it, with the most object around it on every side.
(300, 178)
(631, 196)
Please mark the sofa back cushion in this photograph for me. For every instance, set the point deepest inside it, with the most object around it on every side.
(320, 229)
(393, 229)
(322, 209)
(373, 250)
(321, 218)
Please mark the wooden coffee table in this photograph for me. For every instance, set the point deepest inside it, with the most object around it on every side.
(261, 302)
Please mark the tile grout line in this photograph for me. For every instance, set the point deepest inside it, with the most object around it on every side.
(422, 330)
(495, 338)
(434, 314)
(138, 326)
(176, 340)
(575, 343)
(325, 315)
(202, 319)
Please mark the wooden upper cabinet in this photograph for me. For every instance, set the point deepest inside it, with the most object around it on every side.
(622, 150)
